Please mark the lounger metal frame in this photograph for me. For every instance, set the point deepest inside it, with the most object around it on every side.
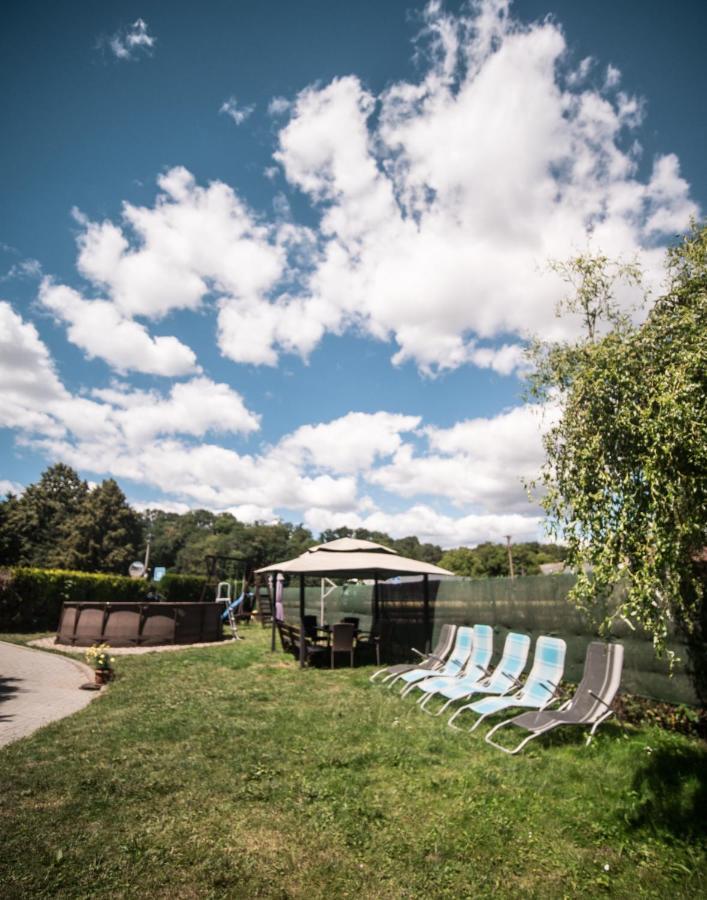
(533, 681)
(486, 685)
(457, 660)
(610, 685)
(436, 660)
(477, 664)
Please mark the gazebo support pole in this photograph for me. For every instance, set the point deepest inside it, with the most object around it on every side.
(301, 622)
(273, 610)
(426, 611)
(376, 610)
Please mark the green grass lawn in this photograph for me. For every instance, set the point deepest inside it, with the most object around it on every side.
(227, 772)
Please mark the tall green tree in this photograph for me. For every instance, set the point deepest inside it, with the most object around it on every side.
(39, 519)
(168, 536)
(10, 538)
(626, 474)
(106, 533)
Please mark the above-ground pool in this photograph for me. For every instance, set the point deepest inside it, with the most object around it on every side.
(139, 624)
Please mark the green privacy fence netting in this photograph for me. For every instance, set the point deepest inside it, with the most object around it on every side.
(534, 605)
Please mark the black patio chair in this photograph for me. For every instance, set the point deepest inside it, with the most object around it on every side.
(369, 642)
(314, 632)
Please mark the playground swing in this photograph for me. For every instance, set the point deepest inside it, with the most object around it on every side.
(222, 578)
(254, 599)
(237, 608)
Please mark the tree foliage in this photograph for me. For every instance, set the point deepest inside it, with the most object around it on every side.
(592, 279)
(625, 481)
(490, 560)
(59, 522)
(181, 542)
(34, 526)
(105, 534)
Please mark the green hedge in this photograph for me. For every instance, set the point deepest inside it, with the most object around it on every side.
(31, 599)
(183, 588)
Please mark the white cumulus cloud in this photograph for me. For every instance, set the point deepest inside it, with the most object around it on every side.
(438, 203)
(348, 444)
(10, 487)
(234, 111)
(98, 328)
(34, 400)
(321, 473)
(132, 41)
(437, 216)
(433, 527)
(28, 380)
(195, 241)
(482, 463)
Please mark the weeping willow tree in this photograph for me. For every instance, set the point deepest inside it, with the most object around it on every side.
(625, 477)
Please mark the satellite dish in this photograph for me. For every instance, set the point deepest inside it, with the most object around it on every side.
(136, 570)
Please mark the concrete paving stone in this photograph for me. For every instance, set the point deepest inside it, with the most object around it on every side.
(37, 688)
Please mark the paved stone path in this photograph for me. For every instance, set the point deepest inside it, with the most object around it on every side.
(36, 688)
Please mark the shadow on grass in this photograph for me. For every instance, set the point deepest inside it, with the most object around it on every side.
(669, 792)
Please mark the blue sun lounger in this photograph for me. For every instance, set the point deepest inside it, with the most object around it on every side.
(505, 677)
(453, 666)
(538, 691)
(477, 666)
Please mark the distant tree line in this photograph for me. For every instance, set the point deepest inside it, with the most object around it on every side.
(489, 560)
(181, 542)
(61, 522)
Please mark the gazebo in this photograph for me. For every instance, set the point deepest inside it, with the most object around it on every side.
(351, 558)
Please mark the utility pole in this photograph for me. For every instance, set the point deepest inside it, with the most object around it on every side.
(150, 515)
(510, 555)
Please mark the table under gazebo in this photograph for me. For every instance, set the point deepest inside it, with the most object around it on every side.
(351, 558)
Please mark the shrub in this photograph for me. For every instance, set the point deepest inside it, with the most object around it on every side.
(183, 588)
(31, 599)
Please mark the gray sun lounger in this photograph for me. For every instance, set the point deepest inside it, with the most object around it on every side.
(463, 645)
(430, 661)
(591, 704)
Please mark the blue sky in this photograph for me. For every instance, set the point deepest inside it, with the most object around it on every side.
(282, 259)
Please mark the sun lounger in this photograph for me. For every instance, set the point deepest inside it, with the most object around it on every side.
(476, 668)
(505, 677)
(454, 665)
(538, 691)
(430, 661)
(591, 704)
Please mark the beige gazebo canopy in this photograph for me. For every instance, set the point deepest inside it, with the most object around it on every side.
(351, 558)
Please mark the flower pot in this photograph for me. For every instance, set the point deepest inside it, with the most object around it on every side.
(102, 676)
